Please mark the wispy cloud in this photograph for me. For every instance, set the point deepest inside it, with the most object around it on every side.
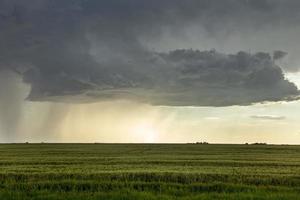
(268, 117)
(212, 118)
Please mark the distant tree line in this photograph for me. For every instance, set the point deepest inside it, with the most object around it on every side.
(257, 143)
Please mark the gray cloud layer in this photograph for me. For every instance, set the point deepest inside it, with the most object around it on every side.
(84, 51)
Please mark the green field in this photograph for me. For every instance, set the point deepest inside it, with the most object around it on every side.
(144, 171)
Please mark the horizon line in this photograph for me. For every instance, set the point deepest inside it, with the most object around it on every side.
(156, 143)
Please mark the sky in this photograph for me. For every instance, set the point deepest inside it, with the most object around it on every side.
(140, 71)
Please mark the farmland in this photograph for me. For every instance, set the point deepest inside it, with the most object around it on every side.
(149, 171)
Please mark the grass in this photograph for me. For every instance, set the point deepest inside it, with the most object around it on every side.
(144, 171)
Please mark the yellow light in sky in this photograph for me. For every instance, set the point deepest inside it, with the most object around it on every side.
(145, 133)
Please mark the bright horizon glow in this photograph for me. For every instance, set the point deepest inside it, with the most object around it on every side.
(145, 133)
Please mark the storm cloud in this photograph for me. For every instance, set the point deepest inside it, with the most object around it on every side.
(89, 50)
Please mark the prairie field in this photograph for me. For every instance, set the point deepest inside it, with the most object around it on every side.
(149, 171)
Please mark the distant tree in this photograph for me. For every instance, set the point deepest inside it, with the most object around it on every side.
(202, 143)
(259, 143)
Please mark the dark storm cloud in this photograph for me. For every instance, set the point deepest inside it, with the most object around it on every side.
(91, 50)
(277, 55)
(212, 78)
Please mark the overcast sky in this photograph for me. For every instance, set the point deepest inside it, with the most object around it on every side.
(149, 71)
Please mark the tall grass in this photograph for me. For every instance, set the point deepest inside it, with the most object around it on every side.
(144, 171)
